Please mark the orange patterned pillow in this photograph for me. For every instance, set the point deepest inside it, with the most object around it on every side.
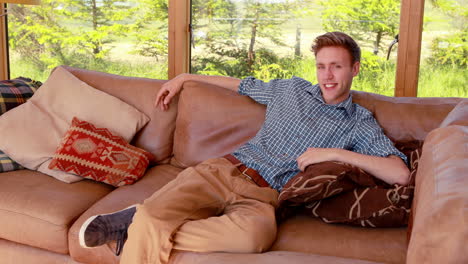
(97, 154)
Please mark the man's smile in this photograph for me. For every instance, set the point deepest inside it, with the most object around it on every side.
(330, 85)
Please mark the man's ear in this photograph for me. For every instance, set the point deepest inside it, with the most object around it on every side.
(355, 68)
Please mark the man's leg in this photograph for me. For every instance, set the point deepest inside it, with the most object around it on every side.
(247, 226)
(197, 193)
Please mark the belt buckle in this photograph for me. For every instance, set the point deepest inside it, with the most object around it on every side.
(246, 175)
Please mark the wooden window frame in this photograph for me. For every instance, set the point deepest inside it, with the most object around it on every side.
(179, 37)
(409, 46)
(4, 69)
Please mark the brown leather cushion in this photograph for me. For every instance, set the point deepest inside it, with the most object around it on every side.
(37, 210)
(458, 116)
(440, 229)
(213, 121)
(157, 136)
(310, 235)
(14, 253)
(406, 118)
(271, 257)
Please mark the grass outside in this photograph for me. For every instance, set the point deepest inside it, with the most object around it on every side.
(130, 66)
(434, 81)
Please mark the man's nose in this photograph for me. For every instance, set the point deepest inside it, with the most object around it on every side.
(329, 73)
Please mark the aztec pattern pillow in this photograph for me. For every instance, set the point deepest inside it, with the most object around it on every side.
(13, 93)
(97, 154)
(341, 193)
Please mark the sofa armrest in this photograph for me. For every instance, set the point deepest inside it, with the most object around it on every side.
(440, 229)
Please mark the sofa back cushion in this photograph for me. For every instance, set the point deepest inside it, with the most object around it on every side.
(212, 121)
(458, 116)
(406, 118)
(157, 136)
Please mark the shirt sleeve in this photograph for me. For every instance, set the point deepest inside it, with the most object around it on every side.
(370, 140)
(260, 91)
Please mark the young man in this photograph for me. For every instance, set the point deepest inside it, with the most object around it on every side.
(214, 206)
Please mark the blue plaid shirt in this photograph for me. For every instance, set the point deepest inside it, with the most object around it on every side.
(297, 118)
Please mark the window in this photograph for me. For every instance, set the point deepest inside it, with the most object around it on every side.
(121, 37)
(271, 38)
(444, 52)
(156, 46)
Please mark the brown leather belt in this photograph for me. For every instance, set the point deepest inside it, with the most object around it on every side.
(247, 172)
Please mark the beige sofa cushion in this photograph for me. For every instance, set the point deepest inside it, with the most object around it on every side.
(38, 210)
(32, 131)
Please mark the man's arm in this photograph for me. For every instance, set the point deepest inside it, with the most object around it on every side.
(173, 87)
(390, 169)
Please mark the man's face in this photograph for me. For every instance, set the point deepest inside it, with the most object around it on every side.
(335, 73)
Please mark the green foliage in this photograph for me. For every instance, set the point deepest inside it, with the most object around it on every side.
(376, 75)
(43, 34)
(234, 36)
(371, 64)
(451, 50)
(272, 71)
(150, 29)
(366, 20)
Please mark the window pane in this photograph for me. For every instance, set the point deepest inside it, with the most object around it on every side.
(271, 38)
(121, 37)
(444, 50)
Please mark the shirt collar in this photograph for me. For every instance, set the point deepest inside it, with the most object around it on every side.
(346, 104)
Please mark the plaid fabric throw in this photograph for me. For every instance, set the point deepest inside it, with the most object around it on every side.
(15, 92)
(7, 164)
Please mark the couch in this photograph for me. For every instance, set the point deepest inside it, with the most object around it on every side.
(40, 216)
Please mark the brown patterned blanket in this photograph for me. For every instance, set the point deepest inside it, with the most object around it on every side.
(341, 193)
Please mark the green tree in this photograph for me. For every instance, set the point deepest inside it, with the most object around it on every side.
(151, 27)
(237, 34)
(101, 21)
(72, 32)
(365, 20)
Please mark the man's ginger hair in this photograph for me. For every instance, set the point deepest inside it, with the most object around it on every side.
(338, 39)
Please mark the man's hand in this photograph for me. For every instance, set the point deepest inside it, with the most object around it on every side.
(169, 90)
(316, 155)
(173, 87)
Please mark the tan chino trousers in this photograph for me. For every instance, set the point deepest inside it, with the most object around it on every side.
(207, 208)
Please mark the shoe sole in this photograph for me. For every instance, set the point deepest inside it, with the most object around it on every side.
(85, 225)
